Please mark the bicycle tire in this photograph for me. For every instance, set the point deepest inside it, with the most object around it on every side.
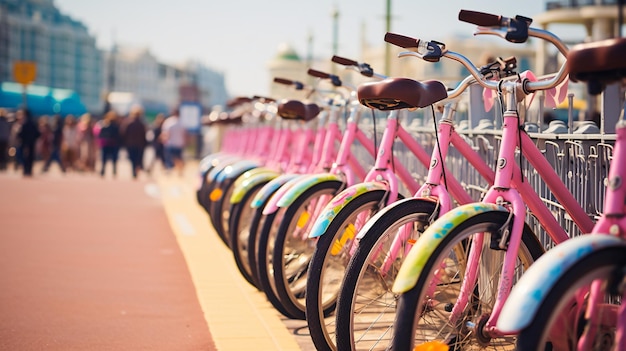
(291, 254)
(240, 228)
(366, 304)
(220, 214)
(328, 265)
(265, 242)
(604, 264)
(255, 226)
(411, 304)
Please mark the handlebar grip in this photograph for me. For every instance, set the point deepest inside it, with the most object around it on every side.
(263, 98)
(318, 74)
(480, 18)
(344, 61)
(401, 40)
(283, 81)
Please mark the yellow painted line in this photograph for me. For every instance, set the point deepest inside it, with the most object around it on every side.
(239, 317)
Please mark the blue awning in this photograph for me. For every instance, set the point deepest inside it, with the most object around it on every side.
(41, 100)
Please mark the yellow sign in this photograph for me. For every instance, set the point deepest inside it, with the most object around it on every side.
(24, 72)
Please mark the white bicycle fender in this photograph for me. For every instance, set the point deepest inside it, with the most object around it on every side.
(529, 292)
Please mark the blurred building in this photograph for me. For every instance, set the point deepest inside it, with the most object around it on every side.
(68, 64)
(600, 20)
(65, 54)
(159, 87)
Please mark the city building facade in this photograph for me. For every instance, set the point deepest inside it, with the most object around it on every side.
(66, 57)
(64, 53)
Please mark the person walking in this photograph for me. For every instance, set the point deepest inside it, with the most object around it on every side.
(108, 133)
(69, 145)
(44, 144)
(157, 142)
(5, 136)
(86, 143)
(15, 147)
(174, 138)
(57, 141)
(133, 133)
(27, 137)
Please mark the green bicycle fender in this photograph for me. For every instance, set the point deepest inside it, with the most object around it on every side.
(299, 188)
(270, 188)
(338, 202)
(250, 181)
(251, 173)
(428, 242)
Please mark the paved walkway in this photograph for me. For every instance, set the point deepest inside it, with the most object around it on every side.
(88, 263)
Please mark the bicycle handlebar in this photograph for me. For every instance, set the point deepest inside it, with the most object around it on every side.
(263, 99)
(480, 18)
(363, 68)
(344, 61)
(297, 85)
(432, 51)
(335, 80)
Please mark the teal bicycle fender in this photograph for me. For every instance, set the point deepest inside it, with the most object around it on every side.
(529, 292)
(428, 242)
(340, 201)
(271, 206)
(270, 188)
(303, 185)
(249, 180)
(236, 169)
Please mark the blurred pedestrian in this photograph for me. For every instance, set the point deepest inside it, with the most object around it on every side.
(109, 139)
(69, 146)
(57, 140)
(44, 144)
(156, 142)
(134, 138)
(5, 134)
(174, 138)
(86, 143)
(15, 147)
(27, 137)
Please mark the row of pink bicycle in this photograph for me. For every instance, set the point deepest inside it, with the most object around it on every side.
(328, 220)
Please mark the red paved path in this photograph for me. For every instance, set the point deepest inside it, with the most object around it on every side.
(91, 264)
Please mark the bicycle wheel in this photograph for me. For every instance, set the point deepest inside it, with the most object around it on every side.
(265, 245)
(366, 306)
(215, 207)
(558, 324)
(423, 312)
(329, 262)
(253, 235)
(240, 227)
(293, 249)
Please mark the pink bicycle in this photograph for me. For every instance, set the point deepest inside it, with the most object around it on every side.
(572, 297)
(459, 273)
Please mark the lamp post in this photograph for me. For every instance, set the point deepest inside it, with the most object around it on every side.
(388, 46)
(335, 16)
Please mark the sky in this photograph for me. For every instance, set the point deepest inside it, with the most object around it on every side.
(240, 37)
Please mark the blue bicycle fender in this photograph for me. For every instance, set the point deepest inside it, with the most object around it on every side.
(428, 242)
(249, 180)
(218, 168)
(303, 185)
(338, 202)
(236, 169)
(270, 188)
(529, 292)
